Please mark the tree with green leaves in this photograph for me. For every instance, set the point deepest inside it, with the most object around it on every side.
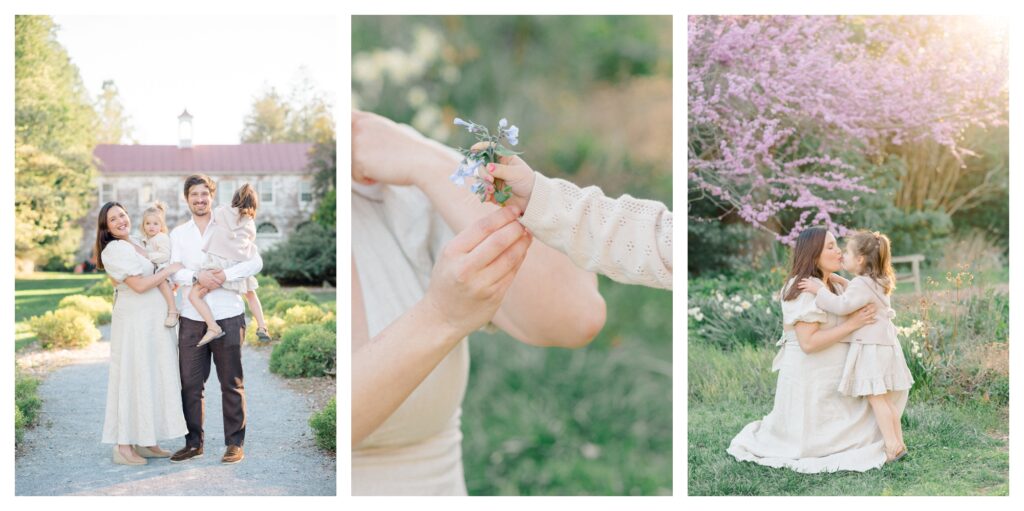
(302, 116)
(113, 124)
(54, 136)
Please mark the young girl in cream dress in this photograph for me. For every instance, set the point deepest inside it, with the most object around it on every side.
(875, 366)
(232, 241)
(158, 250)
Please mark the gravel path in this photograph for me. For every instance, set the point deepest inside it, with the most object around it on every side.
(63, 454)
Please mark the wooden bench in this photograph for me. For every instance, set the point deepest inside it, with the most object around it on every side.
(915, 261)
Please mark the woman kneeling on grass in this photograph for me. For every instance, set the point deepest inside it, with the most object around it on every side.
(813, 428)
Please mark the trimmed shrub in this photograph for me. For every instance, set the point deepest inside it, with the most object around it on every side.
(267, 282)
(305, 350)
(304, 315)
(324, 424)
(308, 257)
(64, 328)
(282, 306)
(96, 307)
(26, 403)
(275, 327)
(103, 289)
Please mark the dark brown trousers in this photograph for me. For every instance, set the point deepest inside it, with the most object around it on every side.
(194, 364)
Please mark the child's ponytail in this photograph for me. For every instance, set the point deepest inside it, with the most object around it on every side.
(876, 249)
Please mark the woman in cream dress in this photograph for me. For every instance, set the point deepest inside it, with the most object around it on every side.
(143, 389)
(813, 428)
(418, 290)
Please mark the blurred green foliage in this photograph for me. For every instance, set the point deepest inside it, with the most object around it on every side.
(591, 94)
(594, 421)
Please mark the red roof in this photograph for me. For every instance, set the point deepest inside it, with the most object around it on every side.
(206, 159)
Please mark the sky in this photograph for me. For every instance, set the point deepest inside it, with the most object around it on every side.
(212, 65)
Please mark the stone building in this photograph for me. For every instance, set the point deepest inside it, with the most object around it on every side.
(137, 175)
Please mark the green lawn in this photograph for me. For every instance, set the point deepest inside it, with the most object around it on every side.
(956, 448)
(40, 292)
(595, 421)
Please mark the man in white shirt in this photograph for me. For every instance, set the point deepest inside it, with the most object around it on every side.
(187, 243)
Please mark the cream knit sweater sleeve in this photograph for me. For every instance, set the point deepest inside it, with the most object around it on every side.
(627, 239)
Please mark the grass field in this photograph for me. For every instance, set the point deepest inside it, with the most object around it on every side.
(956, 448)
(40, 292)
(594, 421)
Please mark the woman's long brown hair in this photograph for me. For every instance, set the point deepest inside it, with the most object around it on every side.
(103, 234)
(809, 245)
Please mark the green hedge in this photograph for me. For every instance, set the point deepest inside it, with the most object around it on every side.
(305, 350)
(64, 328)
(26, 403)
(307, 257)
(324, 424)
(103, 289)
(96, 307)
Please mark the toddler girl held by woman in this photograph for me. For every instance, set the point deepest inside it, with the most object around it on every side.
(158, 250)
(875, 366)
(232, 240)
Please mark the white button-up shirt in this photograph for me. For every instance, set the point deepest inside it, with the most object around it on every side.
(187, 248)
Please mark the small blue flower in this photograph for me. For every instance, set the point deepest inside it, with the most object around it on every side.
(512, 135)
(469, 126)
(503, 122)
(477, 187)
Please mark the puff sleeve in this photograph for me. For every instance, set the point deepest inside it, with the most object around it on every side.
(802, 308)
(120, 261)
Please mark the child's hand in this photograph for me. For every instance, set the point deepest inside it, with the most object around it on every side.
(514, 171)
(810, 285)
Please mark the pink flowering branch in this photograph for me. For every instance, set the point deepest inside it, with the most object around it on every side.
(775, 103)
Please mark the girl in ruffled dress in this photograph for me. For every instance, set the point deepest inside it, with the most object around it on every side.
(875, 366)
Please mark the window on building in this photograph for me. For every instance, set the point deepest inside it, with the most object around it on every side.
(267, 229)
(305, 192)
(106, 193)
(146, 195)
(225, 190)
(266, 189)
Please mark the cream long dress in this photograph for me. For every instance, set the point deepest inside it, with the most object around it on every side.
(143, 387)
(396, 237)
(812, 427)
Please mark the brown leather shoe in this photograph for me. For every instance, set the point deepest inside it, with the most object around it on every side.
(233, 454)
(186, 453)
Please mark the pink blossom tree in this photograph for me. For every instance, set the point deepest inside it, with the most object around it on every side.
(778, 103)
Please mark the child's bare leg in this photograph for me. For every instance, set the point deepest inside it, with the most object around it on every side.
(896, 420)
(165, 290)
(195, 295)
(256, 307)
(884, 417)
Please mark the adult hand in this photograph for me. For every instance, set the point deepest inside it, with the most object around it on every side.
(475, 270)
(514, 171)
(863, 316)
(209, 279)
(386, 152)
